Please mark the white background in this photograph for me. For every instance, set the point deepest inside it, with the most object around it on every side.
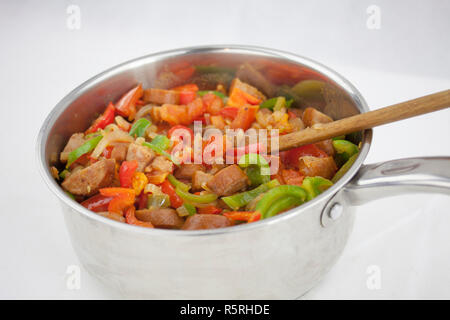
(406, 237)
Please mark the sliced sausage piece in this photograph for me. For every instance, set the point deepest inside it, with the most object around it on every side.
(228, 181)
(162, 164)
(247, 89)
(199, 179)
(141, 154)
(186, 171)
(119, 151)
(206, 221)
(161, 96)
(312, 116)
(88, 181)
(75, 141)
(313, 166)
(250, 74)
(161, 218)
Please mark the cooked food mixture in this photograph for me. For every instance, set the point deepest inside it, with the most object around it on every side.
(124, 166)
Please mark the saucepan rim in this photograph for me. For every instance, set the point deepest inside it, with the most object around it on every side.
(60, 107)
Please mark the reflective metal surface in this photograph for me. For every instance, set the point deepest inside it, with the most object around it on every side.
(280, 257)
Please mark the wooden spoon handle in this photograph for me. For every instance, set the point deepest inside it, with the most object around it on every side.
(399, 111)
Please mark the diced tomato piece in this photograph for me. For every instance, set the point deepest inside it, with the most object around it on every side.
(229, 112)
(213, 103)
(174, 114)
(245, 117)
(218, 122)
(239, 98)
(175, 200)
(126, 106)
(290, 157)
(126, 171)
(106, 118)
(195, 110)
(97, 203)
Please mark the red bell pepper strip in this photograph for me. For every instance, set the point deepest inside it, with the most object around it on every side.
(122, 198)
(106, 153)
(209, 210)
(290, 158)
(97, 203)
(126, 106)
(249, 216)
(213, 103)
(175, 200)
(126, 171)
(245, 117)
(179, 126)
(106, 118)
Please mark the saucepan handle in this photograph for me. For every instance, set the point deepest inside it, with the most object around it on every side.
(395, 177)
(390, 178)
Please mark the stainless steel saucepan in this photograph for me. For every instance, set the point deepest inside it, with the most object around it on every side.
(278, 258)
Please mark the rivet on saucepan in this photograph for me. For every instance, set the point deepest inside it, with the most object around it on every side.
(335, 211)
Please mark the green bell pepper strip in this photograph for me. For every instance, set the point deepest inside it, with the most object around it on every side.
(344, 168)
(276, 194)
(139, 127)
(63, 174)
(176, 183)
(217, 93)
(271, 103)
(346, 148)
(339, 138)
(315, 186)
(257, 168)
(159, 144)
(70, 195)
(239, 200)
(88, 146)
(282, 205)
(191, 210)
(194, 198)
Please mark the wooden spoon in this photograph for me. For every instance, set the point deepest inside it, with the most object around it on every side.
(396, 112)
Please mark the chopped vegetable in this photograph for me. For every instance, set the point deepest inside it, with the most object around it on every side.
(97, 203)
(106, 118)
(217, 93)
(194, 198)
(290, 157)
(176, 183)
(122, 198)
(131, 218)
(139, 181)
(271, 103)
(276, 194)
(248, 216)
(244, 117)
(283, 205)
(126, 106)
(168, 189)
(209, 210)
(240, 200)
(315, 186)
(158, 201)
(139, 127)
(346, 148)
(186, 210)
(126, 172)
(344, 168)
(256, 168)
(87, 147)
